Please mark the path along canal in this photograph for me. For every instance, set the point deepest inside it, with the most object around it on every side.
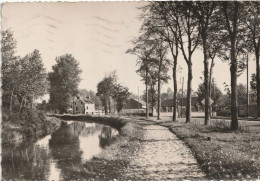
(54, 156)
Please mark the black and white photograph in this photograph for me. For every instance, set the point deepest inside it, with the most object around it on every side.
(130, 90)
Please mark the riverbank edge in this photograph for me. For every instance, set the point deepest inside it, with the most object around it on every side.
(17, 128)
(113, 161)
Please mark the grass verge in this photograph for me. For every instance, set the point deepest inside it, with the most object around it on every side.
(222, 154)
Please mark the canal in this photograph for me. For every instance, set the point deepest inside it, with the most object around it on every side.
(54, 156)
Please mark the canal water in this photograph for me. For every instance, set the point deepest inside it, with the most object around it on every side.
(54, 156)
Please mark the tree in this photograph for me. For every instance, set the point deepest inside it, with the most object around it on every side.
(213, 50)
(105, 90)
(203, 11)
(158, 21)
(232, 30)
(215, 96)
(187, 30)
(42, 106)
(158, 63)
(161, 69)
(144, 61)
(64, 80)
(10, 68)
(120, 96)
(24, 78)
(33, 81)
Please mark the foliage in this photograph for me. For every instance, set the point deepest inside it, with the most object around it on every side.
(215, 95)
(26, 123)
(23, 78)
(120, 95)
(33, 76)
(10, 70)
(105, 90)
(64, 80)
(110, 88)
(152, 96)
(9, 62)
(253, 82)
(42, 106)
(242, 94)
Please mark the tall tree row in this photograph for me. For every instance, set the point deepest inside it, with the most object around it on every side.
(227, 30)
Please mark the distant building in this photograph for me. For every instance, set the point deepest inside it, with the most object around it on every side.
(132, 103)
(167, 105)
(83, 106)
(134, 106)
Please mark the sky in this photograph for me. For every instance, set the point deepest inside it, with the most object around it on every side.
(97, 34)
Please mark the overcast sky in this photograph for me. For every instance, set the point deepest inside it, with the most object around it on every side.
(97, 34)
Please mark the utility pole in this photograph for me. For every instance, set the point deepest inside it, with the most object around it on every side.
(182, 95)
(247, 86)
(212, 96)
(138, 100)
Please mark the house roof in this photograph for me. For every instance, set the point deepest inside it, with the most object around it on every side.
(140, 101)
(88, 101)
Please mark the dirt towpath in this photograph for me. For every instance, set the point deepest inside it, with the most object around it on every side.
(160, 155)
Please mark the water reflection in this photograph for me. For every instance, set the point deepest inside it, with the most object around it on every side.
(56, 156)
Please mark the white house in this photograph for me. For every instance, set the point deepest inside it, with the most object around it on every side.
(81, 106)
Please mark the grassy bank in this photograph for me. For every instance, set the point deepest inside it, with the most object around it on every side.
(17, 127)
(221, 153)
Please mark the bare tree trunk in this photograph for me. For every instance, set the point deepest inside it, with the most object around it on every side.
(189, 88)
(175, 90)
(210, 79)
(146, 87)
(257, 78)
(152, 98)
(233, 67)
(233, 71)
(159, 98)
(206, 78)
